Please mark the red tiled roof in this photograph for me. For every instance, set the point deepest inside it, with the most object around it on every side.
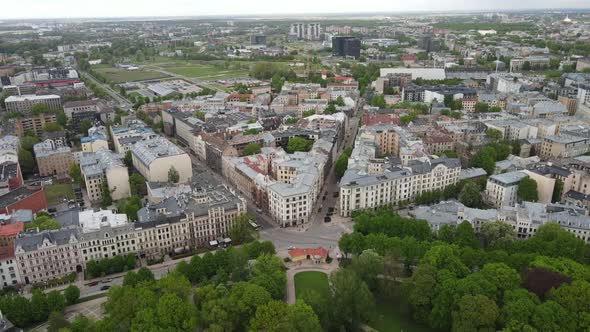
(309, 251)
(12, 229)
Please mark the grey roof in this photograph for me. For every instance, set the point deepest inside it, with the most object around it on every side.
(423, 167)
(31, 240)
(209, 196)
(551, 169)
(470, 173)
(96, 163)
(149, 150)
(68, 218)
(510, 178)
(46, 148)
(444, 213)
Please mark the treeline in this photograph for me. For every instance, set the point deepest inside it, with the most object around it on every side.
(238, 290)
(477, 282)
(24, 312)
(106, 266)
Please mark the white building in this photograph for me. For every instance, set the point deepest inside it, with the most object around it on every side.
(25, 103)
(501, 188)
(105, 234)
(307, 31)
(155, 157)
(9, 274)
(104, 165)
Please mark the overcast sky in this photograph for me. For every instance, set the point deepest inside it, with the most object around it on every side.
(128, 8)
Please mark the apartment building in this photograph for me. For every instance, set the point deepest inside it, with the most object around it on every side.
(250, 174)
(373, 179)
(79, 111)
(525, 218)
(53, 159)
(299, 179)
(534, 63)
(9, 274)
(501, 188)
(24, 103)
(389, 184)
(154, 158)
(97, 139)
(390, 140)
(307, 31)
(187, 220)
(564, 146)
(10, 171)
(437, 143)
(126, 135)
(104, 234)
(513, 129)
(48, 254)
(33, 123)
(104, 165)
(184, 126)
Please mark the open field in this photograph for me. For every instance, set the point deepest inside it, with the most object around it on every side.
(116, 75)
(311, 280)
(55, 193)
(388, 317)
(206, 72)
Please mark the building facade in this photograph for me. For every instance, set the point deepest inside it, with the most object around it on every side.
(155, 157)
(24, 103)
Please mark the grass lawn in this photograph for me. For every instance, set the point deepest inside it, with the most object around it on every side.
(311, 280)
(116, 75)
(390, 318)
(206, 72)
(56, 192)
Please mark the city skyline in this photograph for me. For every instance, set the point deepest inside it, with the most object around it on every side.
(36, 9)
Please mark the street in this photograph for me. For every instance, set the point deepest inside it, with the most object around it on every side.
(124, 104)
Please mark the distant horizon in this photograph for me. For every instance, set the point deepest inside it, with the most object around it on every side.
(65, 9)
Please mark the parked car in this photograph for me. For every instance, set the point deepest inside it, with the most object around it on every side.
(336, 193)
(327, 219)
(291, 248)
(331, 209)
(92, 283)
(105, 287)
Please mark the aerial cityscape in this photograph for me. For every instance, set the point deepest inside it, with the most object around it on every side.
(389, 167)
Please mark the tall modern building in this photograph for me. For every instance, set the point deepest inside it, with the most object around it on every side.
(307, 31)
(346, 46)
(258, 40)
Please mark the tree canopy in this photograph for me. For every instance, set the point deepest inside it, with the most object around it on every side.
(297, 143)
(527, 190)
